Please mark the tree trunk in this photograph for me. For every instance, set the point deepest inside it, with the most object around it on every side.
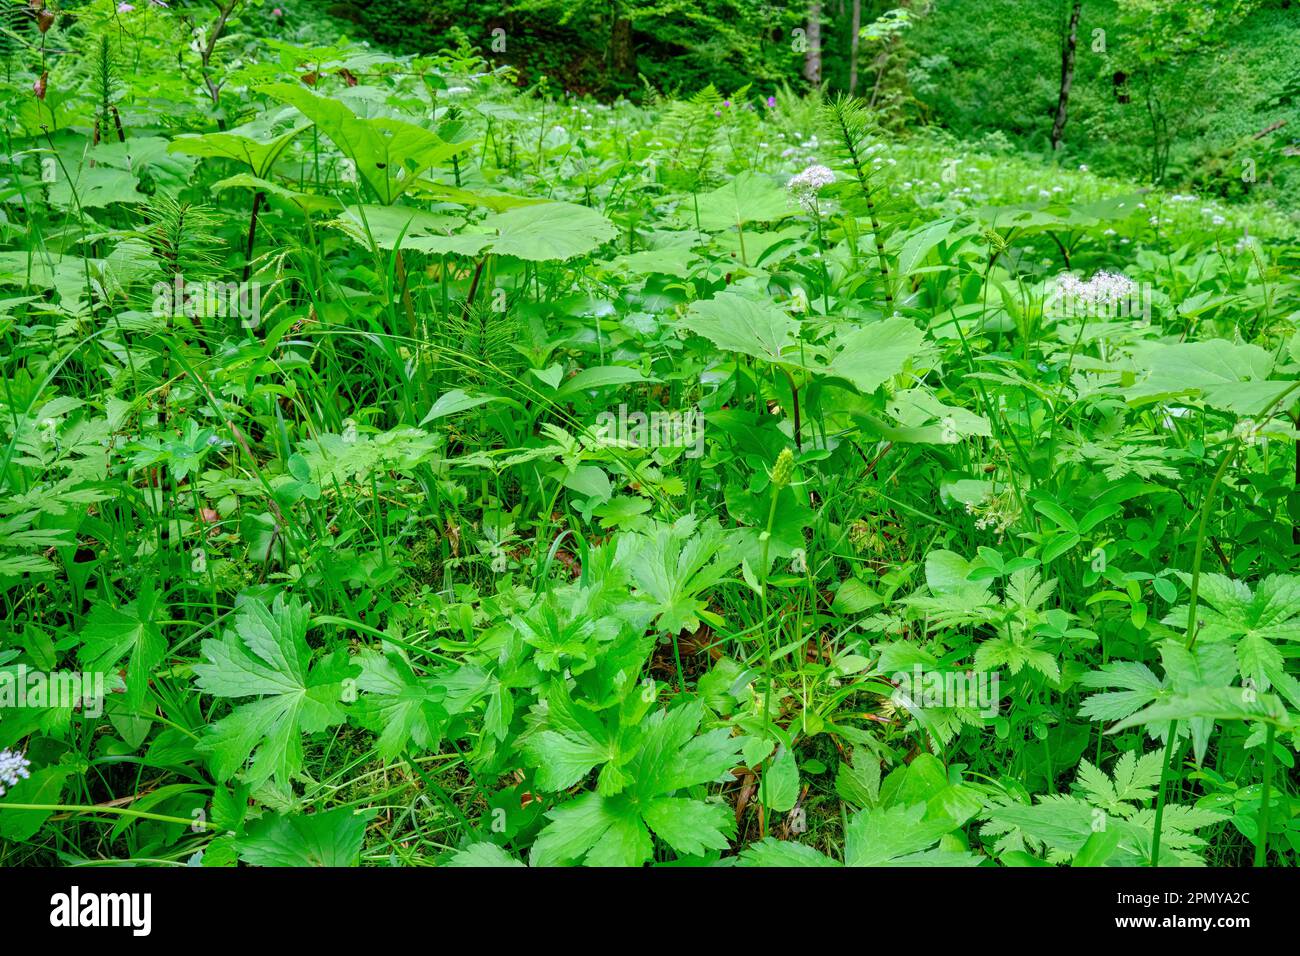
(812, 61)
(622, 57)
(853, 47)
(1068, 44)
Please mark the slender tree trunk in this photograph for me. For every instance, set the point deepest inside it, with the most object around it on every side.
(622, 57)
(1068, 44)
(812, 61)
(853, 47)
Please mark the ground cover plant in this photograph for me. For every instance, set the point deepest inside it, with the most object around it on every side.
(401, 466)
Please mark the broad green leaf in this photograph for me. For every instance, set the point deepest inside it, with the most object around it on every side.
(548, 231)
(306, 203)
(402, 707)
(389, 154)
(870, 355)
(921, 243)
(483, 855)
(1232, 377)
(735, 323)
(257, 144)
(750, 197)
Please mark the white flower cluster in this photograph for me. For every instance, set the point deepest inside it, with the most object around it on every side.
(13, 767)
(995, 513)
(805, 185)
(1104, 288)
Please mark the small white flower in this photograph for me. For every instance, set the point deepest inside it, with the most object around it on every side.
(805, 185)
(13, 767)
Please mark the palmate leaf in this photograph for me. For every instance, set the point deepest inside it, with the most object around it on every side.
(577, 740)
(1271, 611)
(676, 564)
(332, 838)
(1250, 621)
(306, 203)
(1195, 693)
(483, 855)
(1141, 687)
(389, 154)
(405, 227)
(1016, 651)
(130, 632)
(1132, 782)
(265, 655)
(1209, 704)
(870, 355)
(401, 706)
(1061, 825)
(1066, 826)
(93, 187)
(601, 830)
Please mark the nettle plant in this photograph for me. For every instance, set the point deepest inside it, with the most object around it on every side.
(394, 576)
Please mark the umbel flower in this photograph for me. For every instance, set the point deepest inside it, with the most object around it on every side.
(13, 767)
(1103, 288)
(805, 185)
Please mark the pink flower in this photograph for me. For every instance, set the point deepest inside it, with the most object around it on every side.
(771, 101)
(277, 12)
(124, 8)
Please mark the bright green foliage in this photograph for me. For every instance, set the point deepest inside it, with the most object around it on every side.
(265, 656)
(612, 828)
(404, 463)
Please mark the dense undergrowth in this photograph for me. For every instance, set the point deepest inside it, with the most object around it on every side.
(402, 468)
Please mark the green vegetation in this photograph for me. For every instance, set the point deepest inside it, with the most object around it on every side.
(403, 463)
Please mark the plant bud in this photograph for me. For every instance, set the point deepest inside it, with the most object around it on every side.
(783, 470)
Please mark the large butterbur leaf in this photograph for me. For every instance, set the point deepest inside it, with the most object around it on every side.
(870, 355)
(736, 323)
(405, 227)
(548, 231)
(1231, 377)
(750, 197)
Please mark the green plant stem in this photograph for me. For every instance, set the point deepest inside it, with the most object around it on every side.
(1261, 844)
